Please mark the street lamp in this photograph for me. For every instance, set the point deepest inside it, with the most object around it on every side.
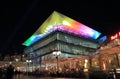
(57, 54)
(28, 62)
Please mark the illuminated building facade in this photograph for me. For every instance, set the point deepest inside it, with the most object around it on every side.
(61, 33)
(109, 54)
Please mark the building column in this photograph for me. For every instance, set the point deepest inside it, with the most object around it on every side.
(117, 58)
(99, 60)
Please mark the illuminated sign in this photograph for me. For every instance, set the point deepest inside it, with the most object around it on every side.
(115, 36)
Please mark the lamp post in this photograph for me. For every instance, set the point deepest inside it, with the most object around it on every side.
(28, 62)
(57, 54)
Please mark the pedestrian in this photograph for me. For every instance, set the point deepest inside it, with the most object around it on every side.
(10, 72)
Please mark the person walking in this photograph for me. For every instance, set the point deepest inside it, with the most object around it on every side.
(10, 72)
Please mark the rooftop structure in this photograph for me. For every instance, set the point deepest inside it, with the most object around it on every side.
(58, 21)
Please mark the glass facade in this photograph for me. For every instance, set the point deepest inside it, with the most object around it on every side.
(70, 46)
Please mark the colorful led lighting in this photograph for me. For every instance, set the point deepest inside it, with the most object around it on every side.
(57, 21)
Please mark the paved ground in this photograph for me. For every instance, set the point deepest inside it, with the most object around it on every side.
(23, 77)
(32, 77)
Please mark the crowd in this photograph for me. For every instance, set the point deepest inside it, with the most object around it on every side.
(67, 73)
(6, 72)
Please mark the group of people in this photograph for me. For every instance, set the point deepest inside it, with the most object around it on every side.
(7, 72)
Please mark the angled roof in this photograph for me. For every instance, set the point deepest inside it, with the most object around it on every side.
(58, 21)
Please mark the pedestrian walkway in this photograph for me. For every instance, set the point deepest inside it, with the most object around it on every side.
(33, 77)
(20, 76)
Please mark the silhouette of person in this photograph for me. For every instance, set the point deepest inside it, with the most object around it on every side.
(10, 72)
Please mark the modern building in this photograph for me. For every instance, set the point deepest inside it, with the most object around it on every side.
(61, 42)
(109, 54)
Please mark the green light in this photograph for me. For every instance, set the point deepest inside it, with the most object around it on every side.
(57, 19)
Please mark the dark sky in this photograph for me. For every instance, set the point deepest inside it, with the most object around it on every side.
(21, 18)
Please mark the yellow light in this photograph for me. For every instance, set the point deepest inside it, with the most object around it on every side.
(95, 63)
(109, 61)
(85, 70)
(104, 66)
(85, 65)
(86, 60)
(16, 60)
(66, 23)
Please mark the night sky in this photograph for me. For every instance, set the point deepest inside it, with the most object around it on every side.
(21, 18)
